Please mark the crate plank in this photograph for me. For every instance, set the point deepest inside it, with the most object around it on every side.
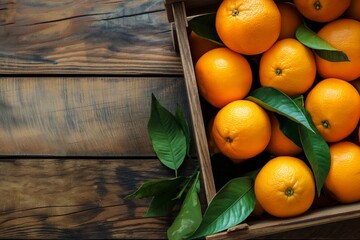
(194, 100)
(338, 230)
(82, 116)
(315, 218)
(78, 199)
(86, 37)
(192, 7)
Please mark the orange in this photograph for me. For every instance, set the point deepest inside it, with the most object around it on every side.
(285, 187)
(223, 76)
(322, 10)
(280, 145)
(334, 106)
(288, 66)
(353, 10)
(291, 19)
(248, 26)
(241, 130)
(344, 35)
(343, 179)
(199, 46)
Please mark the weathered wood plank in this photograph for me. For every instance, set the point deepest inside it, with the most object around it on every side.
(78, 199)
(194, 100)
(315, 218)
(84, 199)
(86, 37)
(82, 116)
(339, 230)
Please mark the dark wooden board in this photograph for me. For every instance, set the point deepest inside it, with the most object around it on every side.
(335, 231)
(82, 116)
(84, 199)
(86, 37)
(78, 198)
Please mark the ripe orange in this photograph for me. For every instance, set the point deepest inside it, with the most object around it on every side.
(223, 76)
(353, 10)
(344, 35)
(199, 46)
(334, 106)
(291, 19)
(248, 26)
(343, 179)
(280, 145)
(241, 130)
(322, 10)
(285, 187)
(288, 66)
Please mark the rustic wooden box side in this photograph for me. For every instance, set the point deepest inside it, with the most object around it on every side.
(192, 7)
(178, 11)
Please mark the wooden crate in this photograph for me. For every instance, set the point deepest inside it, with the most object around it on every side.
(178, 12)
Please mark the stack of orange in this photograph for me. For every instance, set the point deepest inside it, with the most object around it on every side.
(241, 129)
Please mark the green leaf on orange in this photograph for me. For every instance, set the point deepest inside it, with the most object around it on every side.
(322, 48)
(204, 26)
(316, 151)
(276, 101)
(289, 128)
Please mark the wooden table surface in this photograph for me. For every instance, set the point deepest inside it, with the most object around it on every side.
(76, 77)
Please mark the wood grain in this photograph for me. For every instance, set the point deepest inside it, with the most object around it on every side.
(194, 101)
(192, 7)
(316, 217)
(86, 37)
(78, 199)
(82, 116)
(333, 231)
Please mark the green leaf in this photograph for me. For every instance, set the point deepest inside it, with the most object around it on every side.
(189, 216)
(180, 117)
(229, 207)
(299, 100)
(310, 39)
(161, 205)
(290, 129)
(157, 187)
(204, 26)
(186, 183)
(167, 137)
(317, 153)
(276, 101)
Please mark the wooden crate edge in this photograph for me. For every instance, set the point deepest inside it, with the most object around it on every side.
(273, 226)
(180, 18)
(192, 7)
